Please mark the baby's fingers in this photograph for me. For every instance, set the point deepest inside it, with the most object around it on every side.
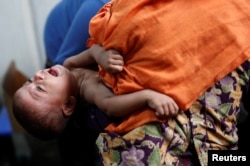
(115, 68)
(115, 54)
(161, 111)
(113, 61)
(173, 109)
(167, 110)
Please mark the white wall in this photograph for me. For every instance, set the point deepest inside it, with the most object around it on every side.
(21, 34)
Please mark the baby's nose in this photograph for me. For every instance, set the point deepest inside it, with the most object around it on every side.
(39, 76)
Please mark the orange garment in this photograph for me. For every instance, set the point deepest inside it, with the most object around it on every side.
(178, 47)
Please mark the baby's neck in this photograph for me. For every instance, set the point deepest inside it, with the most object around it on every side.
(82, 74)
(79, 73)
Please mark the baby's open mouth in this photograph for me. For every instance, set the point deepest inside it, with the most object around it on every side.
(53, 72)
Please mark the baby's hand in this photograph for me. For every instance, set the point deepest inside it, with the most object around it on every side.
(163, 105)
(111, 61)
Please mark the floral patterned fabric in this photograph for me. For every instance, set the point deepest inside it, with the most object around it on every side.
(209, 124)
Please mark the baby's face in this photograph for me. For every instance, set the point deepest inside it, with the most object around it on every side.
(49, 87)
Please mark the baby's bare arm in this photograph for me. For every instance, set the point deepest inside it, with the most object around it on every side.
(97, 93)
(81, 60)
(110, 60)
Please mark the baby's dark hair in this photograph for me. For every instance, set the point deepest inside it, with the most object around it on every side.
(39, 126)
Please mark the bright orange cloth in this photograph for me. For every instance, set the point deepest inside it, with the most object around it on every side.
(178, 47)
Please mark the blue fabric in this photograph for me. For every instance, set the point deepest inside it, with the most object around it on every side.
(5, 124)
(66, 30)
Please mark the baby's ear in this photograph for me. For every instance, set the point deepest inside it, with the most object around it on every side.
(69, 106)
